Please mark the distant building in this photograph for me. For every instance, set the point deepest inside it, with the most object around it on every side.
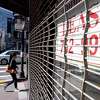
(6, 28)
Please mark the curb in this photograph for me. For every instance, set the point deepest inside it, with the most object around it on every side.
(19, 80)
(3, 81)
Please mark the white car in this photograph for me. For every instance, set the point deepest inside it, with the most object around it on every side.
(4, 57)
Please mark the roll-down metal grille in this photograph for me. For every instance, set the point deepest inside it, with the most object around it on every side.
(64, 55)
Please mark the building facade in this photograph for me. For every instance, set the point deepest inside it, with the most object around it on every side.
(6, 28)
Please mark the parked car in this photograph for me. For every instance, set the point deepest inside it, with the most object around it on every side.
(4, 57)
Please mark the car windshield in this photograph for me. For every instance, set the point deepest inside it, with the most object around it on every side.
(10, 52)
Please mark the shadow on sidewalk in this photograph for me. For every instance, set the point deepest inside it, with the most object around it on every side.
(24, 90)
(9, 91)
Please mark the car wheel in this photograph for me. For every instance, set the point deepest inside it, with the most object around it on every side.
(4, 61)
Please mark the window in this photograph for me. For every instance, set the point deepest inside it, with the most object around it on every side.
(10, 52)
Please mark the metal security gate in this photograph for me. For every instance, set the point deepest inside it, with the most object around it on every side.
(64, 55)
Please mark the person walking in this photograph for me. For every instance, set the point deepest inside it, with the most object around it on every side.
(13, 67)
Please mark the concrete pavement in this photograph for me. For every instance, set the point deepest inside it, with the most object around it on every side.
(10, 94)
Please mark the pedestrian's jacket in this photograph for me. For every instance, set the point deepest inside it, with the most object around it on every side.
(13, 64)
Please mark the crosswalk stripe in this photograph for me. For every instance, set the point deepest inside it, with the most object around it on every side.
(5, 76)
(4, 81)
(2, 67)
(2, 71)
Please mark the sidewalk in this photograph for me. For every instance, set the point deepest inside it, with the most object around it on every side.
(11, 95)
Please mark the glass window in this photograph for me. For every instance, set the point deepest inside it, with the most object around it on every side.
(10, 52)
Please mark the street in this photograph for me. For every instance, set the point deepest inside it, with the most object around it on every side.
(4, 76)
(10, 94)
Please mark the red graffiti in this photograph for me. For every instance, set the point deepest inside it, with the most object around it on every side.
(95, 37)
(93, 15)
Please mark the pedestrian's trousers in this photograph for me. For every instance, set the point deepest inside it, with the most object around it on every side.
(13, 75)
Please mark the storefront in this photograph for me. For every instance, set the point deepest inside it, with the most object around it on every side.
(64, 53)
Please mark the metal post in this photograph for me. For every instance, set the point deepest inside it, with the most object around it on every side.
(27, 66)
(22, 60)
